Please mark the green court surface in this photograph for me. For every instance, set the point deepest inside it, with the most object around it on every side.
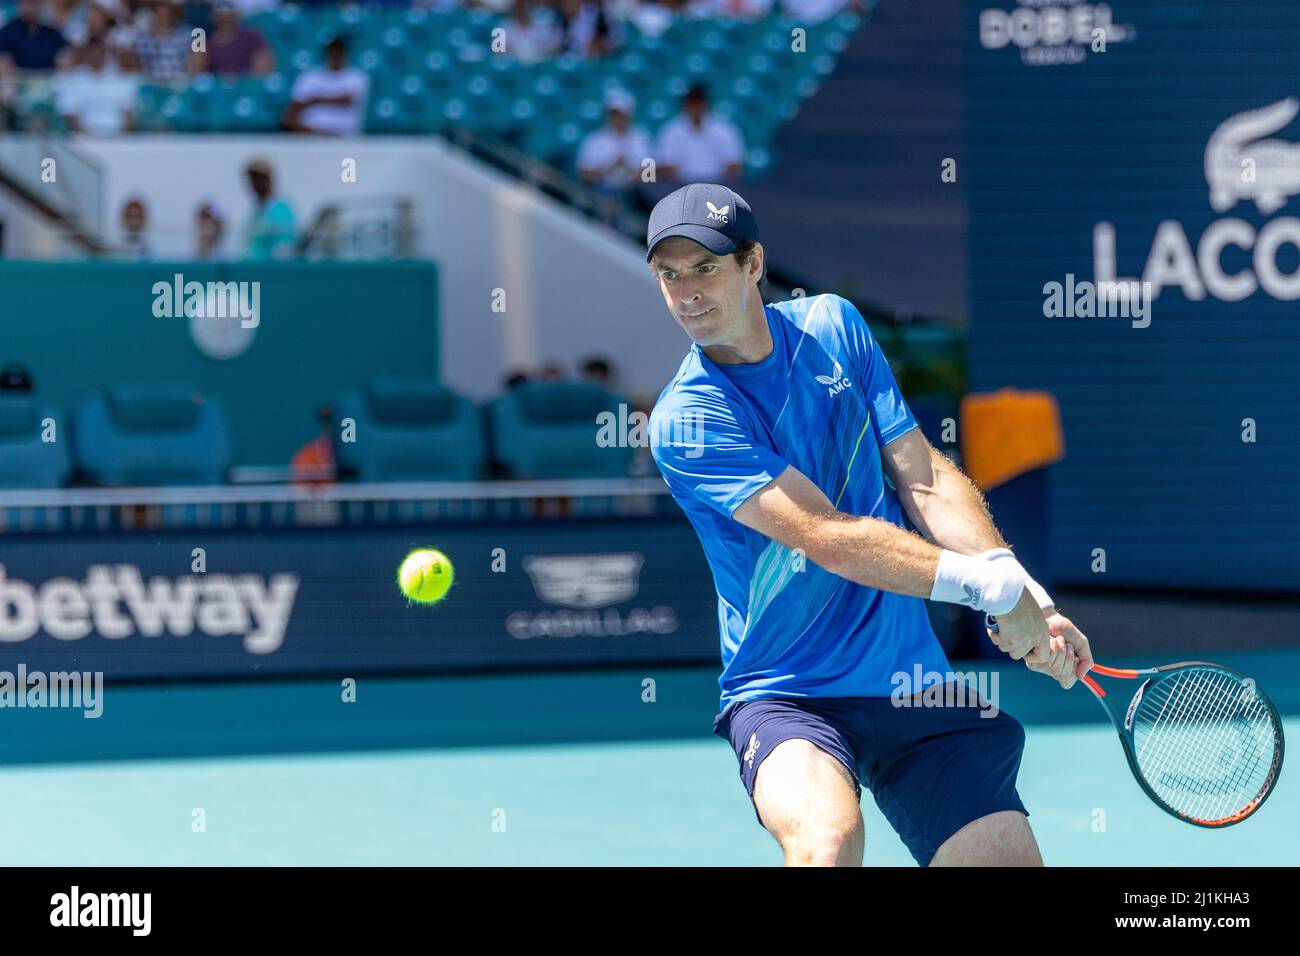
(555, 769)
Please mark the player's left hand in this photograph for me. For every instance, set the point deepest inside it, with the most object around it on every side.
(1067, 656)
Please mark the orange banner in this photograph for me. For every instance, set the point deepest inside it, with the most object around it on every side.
(1007, 433)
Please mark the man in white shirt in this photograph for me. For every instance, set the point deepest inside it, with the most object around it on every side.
(697, 147)
(95, 96)
(611, 157)
(532, 32)
(332, 100)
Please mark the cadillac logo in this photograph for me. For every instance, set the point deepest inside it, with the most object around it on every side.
(585, 580)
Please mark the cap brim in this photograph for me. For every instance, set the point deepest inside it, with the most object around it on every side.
(710, 239)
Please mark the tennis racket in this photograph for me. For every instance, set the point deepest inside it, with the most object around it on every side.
(1203, 741)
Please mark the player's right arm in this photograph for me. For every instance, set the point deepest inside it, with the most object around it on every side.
(875, 553)
(878, 554)
(706, 448)
(792, 510)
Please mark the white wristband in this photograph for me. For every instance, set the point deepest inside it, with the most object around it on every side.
(1040, 594)
(992, 581)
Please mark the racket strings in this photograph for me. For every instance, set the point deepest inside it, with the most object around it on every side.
(1204, 742)
(1212, 769)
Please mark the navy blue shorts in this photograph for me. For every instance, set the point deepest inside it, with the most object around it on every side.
(932, 770)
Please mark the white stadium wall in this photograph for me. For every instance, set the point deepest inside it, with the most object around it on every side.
(572, 288)
(28, 233)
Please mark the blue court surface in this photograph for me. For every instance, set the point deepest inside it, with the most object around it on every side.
(526, 769)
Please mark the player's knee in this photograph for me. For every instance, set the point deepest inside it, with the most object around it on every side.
(828, 842)
(1002, 838)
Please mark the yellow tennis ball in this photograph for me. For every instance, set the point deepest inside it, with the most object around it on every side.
(425, 576)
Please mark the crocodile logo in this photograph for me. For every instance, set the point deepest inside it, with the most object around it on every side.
(1237, 145)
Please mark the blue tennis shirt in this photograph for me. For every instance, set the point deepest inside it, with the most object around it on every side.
(824, 402)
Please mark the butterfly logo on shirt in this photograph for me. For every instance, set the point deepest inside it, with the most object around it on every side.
(836, 382)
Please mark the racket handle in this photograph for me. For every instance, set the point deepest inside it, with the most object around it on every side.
(991, 623)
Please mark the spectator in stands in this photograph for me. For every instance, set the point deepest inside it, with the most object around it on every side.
(106, 22)
(598, 370)
(589, 30)
(514, 379)
(314, 462)
(27, 43)
(269, 232)
(163, 50)
(330, 101)
(653, 17)
(210, 232)
(248, 8)
(136, 14)
(552, 372)
(95, 95)
(611, 157)
(135, 225)
(15, 378)
(697, 146)
(533, 32)
(233, 48)
(729, 9)
(69, 18)
(815, 11)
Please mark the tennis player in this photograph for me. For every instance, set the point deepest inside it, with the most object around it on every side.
(785, 439)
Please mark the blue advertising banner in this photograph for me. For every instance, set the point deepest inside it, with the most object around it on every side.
(325, 601)
(1133, 178)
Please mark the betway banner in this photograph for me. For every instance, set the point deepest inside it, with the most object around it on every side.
(1133, 178)
(317, 602)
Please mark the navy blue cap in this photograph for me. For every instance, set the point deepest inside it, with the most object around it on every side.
(714, 216)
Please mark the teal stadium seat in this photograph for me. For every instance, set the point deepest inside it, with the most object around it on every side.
(549, 430)
(452, 112)
(435, 67)
(193, 108)
(659, 111)
(758, 162)
(26, 461)
(384, 115)
(411, 431)
(281, 26)
(151, 435)
(421, 30)
(370, 60)
(241, 105)
(302, 59)
(399, 103)
(591, 112)
(273, 90)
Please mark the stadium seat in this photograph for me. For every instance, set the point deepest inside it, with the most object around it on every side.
(242, 107)
(410, 431)
(151, 435)
(26, 460)
(549, 430)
